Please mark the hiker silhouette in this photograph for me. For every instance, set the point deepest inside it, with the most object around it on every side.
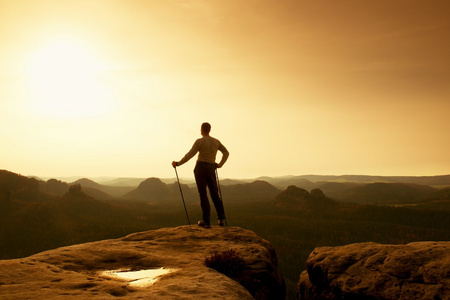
(205, 172)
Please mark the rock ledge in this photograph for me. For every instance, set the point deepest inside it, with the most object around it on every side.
(418, 270)
(76, 271)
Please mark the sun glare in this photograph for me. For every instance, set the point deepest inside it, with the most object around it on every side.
(64, 82)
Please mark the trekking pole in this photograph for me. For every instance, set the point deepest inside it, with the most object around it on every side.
(182, 197)
(221, 199)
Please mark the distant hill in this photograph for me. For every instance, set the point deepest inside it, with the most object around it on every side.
(11, 182)
(14, 186)
(151, 190)
(106, 192)
(295, 197)
(154, 190)
(85, 182)
(90, 188)
(255, 191)
(54, 187)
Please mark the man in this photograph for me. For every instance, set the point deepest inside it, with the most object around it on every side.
(204, 172)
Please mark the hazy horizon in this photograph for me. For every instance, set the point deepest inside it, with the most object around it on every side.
(106, 179)
(120, 88)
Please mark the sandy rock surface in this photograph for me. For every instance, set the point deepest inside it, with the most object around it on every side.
(76, 271)
(418, 270)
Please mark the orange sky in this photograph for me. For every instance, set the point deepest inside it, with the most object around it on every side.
(120, 88)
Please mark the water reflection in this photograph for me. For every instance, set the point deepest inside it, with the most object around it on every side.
(141, 278)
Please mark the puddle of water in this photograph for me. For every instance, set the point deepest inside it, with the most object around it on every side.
(142, 278)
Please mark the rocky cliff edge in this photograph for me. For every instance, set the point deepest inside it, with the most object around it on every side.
(79, 271)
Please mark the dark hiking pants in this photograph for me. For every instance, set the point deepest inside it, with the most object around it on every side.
(205, 176)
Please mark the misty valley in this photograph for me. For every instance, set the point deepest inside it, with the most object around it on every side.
(295, 214)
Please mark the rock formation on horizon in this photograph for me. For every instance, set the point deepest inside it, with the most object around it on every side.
(419, 270)
(295, 197)
(77, 271)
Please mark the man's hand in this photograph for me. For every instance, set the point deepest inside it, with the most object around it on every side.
(217, 166)
(174, 164)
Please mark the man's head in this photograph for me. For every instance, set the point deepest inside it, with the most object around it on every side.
(206, 128)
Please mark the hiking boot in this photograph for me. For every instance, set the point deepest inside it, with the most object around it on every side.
(220, 222)
(203, 224)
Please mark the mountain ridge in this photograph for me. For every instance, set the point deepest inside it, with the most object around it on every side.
(237, 191)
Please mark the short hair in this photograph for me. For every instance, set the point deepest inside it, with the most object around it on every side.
(206, 127)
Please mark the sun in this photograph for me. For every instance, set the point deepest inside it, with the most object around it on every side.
(64, 81)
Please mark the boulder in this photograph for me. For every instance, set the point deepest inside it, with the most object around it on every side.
(419, 270)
